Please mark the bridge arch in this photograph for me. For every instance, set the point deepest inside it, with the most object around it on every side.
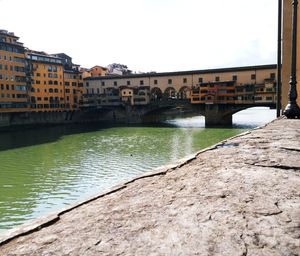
(156, 93)
(183, 92)
(170, 92)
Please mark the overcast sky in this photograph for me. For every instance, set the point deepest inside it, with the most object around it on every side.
(148, 35)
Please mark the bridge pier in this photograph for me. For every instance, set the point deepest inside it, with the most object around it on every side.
(216, 116)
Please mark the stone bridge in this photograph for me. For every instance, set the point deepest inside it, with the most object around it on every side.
(215, 114)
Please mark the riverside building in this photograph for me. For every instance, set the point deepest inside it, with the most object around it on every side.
(13, 83)
(73, 83)
(47, 89)
(56, 83)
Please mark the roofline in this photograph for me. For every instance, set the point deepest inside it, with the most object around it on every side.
(190, 72)
(7, 33)
(97, 66)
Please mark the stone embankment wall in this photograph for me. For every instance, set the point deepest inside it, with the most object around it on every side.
(240, 197)
(35, 118)
(117, 115)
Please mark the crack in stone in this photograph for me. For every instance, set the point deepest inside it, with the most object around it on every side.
(277, 166)
(245, 253)
(98, 242)
(283, 167)
(291, 149)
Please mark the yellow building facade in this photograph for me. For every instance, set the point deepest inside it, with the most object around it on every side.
(13, 83)
(286, 51)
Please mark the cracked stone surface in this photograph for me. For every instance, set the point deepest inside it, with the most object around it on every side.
(241, 197)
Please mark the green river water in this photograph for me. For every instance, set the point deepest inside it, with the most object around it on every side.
(43, 170)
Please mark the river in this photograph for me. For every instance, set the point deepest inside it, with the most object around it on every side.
(43, 170)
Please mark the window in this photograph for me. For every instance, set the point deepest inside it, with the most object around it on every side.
(200, 80)
(269, 98)
(38, 74)
(272, 75)
(169, 81)
(155, 81)
(50, 68)
(87, 84)
(141, 82)
(50, 75)
(128, 82)
(184, 80)
(115, 83)
(234, 77)
(217, 78)
(253, 76)
(102, 83)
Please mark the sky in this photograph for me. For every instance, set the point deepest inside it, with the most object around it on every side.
(148, 35)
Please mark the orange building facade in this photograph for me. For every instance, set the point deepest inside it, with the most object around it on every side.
(13, 83)
(56, 84)
(73, 83)
(47, 88)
